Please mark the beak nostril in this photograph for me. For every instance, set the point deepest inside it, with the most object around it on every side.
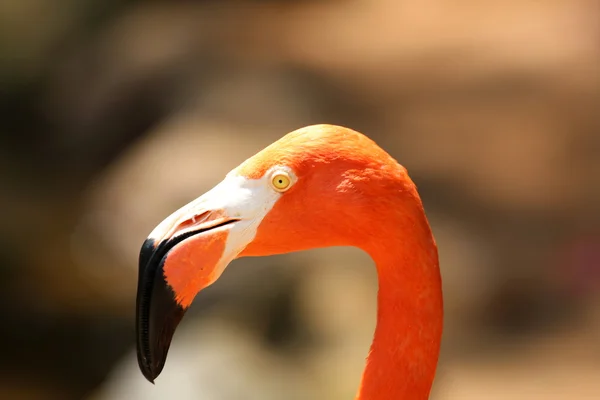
(195, 219)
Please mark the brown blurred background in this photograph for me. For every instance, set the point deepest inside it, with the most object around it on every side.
(115, 113)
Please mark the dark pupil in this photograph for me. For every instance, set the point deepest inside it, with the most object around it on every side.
(280, 181)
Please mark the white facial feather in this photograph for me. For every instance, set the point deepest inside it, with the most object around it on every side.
(236, 197)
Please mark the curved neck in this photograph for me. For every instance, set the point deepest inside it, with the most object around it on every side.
(403, 357)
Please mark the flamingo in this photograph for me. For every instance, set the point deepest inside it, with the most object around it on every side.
(318, 186)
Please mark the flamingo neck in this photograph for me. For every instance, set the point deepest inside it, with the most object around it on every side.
(403, 357)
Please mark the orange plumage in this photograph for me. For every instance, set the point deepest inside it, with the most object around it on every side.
(350, 192)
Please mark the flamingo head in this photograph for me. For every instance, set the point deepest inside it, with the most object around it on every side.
(319, 186)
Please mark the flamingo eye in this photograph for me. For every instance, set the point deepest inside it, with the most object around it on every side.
(281, 181)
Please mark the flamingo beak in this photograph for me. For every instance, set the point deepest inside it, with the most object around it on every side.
(183, 255)
(187, 252)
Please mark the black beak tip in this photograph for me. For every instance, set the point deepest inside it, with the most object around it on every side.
(158, 313)
(146, 368)
(148, 374)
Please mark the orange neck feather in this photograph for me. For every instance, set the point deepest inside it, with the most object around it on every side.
(393, 230)
(404, 354)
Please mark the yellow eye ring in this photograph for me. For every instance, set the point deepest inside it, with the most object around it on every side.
(281, 181)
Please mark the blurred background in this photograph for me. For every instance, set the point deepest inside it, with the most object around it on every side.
(115, 113)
